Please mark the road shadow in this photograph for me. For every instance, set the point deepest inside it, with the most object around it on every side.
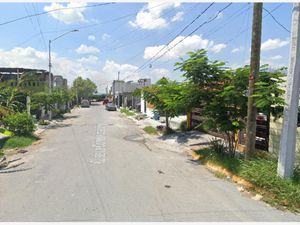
(57, 126)
(182, 138)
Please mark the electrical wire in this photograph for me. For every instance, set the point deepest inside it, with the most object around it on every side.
(201, 25)
(53, 10)
(276, 20)
(197, 17)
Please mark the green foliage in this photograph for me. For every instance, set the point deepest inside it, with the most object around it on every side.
(6, 132)
(11, 100)
(183, 126)
(268, 94)
(127, 112)
(262, 172)
(19, 123)
(199, 70)
(18, 142)
(150, 130)
(222, 94)
(85, 88)
(168, 97)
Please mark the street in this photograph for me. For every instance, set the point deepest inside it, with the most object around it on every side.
(95, 166)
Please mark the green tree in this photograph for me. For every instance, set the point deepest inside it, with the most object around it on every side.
(167, 97)
(85, 88)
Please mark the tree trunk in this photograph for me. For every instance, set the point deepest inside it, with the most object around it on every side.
(167, 121)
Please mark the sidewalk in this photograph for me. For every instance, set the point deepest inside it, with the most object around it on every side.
(180, 142)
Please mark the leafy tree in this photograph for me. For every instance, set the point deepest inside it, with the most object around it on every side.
(167, 97)
(85, 88)
(222, 93)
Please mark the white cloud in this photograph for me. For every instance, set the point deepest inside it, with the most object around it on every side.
(89, 60)
(271, 44)
(189, 44)
(150, 17)
(112, 68)
(84, 49)
(31, 58)
(276, 57)
(91, 37)
(67, 16)
(236, 50)
(217, 48)
(105, 36)
(158, 73)
(177, 17)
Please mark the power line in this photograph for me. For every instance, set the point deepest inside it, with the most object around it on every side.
(235, 15)
(53, 10)
(277, 20)
(247, 28)
(40, 29)
(149, 35)
(204, 23)
(197, 17)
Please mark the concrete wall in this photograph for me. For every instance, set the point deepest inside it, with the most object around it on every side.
(274, 138)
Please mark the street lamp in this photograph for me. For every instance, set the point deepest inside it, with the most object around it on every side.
(50, 81)
(50, 41)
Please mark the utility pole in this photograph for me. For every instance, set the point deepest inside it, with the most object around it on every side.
(118, 89)
(289, 129)
(50, 80)
(254, 73)
(77, 102)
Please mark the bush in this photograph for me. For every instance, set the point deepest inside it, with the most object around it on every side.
(19, 142)
(183, 126)
(262, 172)
(218, 146)
(150, 130)
(19, 123)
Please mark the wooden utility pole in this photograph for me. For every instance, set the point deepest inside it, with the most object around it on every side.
(254, 73)
(288, 136)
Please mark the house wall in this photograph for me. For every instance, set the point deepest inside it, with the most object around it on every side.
(274, 138)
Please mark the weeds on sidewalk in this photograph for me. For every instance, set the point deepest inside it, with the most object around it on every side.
(127, 112)
(261, 171)
(18, 142)
(150, 130)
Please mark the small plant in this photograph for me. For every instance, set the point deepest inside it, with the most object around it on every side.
(150, 130)
(183, 126)
(19, 123)
(218, 146)
(19, 142)
(44, 122)
(127, 112)
(140, 117)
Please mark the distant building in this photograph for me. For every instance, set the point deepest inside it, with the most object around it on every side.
(59, 81)
(123, 92)
(29, 77)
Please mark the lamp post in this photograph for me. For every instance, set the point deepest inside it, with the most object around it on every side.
(50, 81)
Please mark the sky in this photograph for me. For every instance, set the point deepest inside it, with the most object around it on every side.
(131, 38)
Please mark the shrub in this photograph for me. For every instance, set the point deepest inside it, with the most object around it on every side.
(183, 126)
(150, 130)
(218, 146)
(44, 122)
(19, 142)
(262, 172)
(19, 123)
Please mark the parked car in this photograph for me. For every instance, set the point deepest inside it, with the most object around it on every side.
(85, 103)
(111, 107)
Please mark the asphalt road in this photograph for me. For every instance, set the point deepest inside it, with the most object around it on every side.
(96, 167)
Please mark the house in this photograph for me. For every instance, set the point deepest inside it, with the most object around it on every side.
(123, 93)
(29, 77)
